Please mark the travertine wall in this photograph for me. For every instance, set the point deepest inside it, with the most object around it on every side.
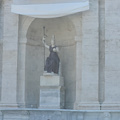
(90, 58)
(91, 39)
(9, 56)
(34, 69)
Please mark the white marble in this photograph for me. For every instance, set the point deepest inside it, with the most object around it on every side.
(89, 98)
(51, 80)
(51, 92)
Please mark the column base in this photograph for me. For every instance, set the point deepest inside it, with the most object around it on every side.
(87, 106)
(110, 106)
(9, 105)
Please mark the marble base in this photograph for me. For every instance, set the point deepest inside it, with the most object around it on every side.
(51, 92)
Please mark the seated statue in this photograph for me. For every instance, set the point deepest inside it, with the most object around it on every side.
(52, 62)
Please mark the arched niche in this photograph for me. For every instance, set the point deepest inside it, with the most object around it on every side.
(64, 31)
(30, 57)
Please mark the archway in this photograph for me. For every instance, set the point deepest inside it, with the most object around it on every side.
(64, 31)
(67, 33)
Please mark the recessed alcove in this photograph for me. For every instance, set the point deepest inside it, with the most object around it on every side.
(64, 31)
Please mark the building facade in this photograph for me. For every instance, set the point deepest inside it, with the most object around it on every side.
(89, 44)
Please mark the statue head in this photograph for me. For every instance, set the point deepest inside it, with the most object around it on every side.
(53, 40)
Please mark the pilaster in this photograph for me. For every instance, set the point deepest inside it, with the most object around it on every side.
(112, 56)
(9, 58)
(89, 84)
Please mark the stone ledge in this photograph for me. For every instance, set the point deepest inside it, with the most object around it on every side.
(59, 114)
(87, 106)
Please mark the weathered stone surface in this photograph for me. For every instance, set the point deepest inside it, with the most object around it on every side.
(52, 93)
(35, 114)
(51, 80)
(112, 57)
(89, 51)
(9, 57)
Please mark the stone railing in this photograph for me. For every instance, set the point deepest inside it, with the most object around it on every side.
(39, 114)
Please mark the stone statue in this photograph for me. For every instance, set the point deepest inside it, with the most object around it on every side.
(52, 62)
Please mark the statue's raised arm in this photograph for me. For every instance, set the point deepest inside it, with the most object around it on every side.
(43, 40)
(52, 62)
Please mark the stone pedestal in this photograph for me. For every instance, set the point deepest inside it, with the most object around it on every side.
(51, 92)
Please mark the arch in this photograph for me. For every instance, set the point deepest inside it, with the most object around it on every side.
(26, 22)
(24, 26)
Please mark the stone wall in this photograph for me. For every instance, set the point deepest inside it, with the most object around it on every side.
(58, 115)
(9, 56)
(112, 58)
(90, 58)
(34, 69)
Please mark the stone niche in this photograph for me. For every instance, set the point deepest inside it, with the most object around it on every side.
(64, 32)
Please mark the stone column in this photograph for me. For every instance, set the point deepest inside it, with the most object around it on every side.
(89, 98)
(24, 24)
(21, 73)
(78, 70)
(9, 61)
(112, 56)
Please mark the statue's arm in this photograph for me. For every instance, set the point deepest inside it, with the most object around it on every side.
(43, 40)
